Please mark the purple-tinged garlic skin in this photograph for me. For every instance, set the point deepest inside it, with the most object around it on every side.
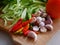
(49, 27)
(35, 28)
(32, 35)
(48, 20)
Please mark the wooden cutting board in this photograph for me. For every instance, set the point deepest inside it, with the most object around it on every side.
(43, 38)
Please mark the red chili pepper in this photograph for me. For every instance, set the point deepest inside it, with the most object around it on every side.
(16, 25)
(26, 28)
(26, 33)
(21, 25)
(26, 22)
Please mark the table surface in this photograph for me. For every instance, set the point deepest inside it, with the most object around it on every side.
(43, 38)
(5, 38)
(55, 40)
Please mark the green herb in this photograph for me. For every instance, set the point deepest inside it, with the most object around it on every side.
(16, 9)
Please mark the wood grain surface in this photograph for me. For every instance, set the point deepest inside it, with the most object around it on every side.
(43, 38)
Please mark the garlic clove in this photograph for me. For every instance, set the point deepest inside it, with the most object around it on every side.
(49, 20)
(39, 19)
(35, 28)
(38, 13)
(32, 35)
(49, 27)
(43, 19)
(44, 15)
(43, 29)
(41, 24)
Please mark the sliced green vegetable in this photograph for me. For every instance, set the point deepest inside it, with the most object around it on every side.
(16, 9)
(24, 13)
